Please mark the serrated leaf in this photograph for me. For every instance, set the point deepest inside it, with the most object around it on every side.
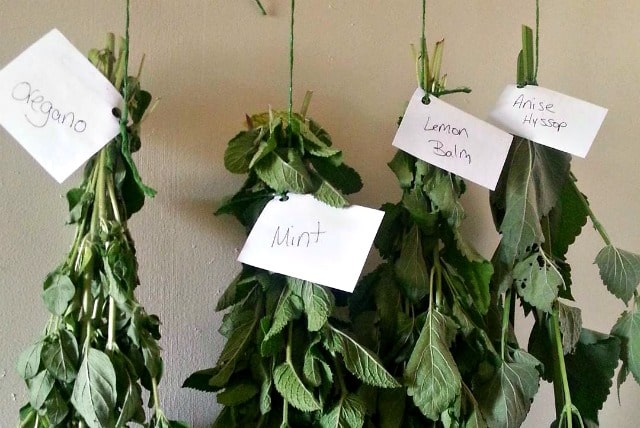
(240, 337)
(59, 290)
(289, 308)
(590, 371)
(240, 150)
(129, 394)
(342, 177)
(349, 412)
(619, 270)
(238, 289)
(39, 388)
(471, 409)
(402, 166)
(200, 380)
(410, 268)
(431, 375)
(537, 280)
(314, 368)
(94, 392)
(264, 148)
(415, 203)
(470, 280)
(60, 356)
(506, 398)
(360, 361)
(627, 329)
(284, 176)
(330, 195)
(318, 302)
(28, 364)
(442, 189)
(571, 217)
(237, 394)
(536, 176)
(570, 319)
(291, 387)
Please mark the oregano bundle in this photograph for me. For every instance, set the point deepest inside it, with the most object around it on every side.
(100, 347)
(291, 359)
(429, 298)
(539, 211)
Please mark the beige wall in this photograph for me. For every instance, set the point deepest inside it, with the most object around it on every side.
(212, 61)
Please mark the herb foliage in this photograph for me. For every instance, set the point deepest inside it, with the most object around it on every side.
(291, 358)
(429, 301)
(539, 212)
(100, 347)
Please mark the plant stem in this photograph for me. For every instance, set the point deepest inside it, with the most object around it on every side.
(594, 220)
(264, 12)
(343, 386)
(156, 399)
(290, 111)
(560, 370)
(506, 310)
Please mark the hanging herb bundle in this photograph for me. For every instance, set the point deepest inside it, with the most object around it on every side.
(430, 296)
(539, 211)
(289, 359)
(99, 347)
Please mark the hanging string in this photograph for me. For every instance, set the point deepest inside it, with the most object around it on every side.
(423, 48)
(535, 73)
(264, 12)
(293, 7)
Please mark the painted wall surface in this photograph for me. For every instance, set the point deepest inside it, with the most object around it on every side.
(211, 61)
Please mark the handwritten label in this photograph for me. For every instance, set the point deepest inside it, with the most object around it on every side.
(549, 118)
(307, 239)
(453, 140)
(57, 105)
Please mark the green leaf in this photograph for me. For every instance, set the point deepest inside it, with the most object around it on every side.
(28, 417)
(28, 364)
(56, 408)
(572, 216)
(239, 152)
(289, 308)
(431, 375)
(237, 394)
(537, 280)
(60, 356)
(330, 195)
(536, 176)
(39, 388)
(410, 268)
(291, 387)
(619, 270)
(200, 380)
(264, 148)
(284, 176)
(570, 326)
(241, 336)
(471, 410)
(360, 361)
(416, 205)
(349, 412)
(128, 393)
(505, 399)
(342, 177)
(590, 370)
(94, 392)
(627, 329)
(444, 191)
(402, 166)
(469, 279)
(317, 300)
(239, 288)
(58, 292)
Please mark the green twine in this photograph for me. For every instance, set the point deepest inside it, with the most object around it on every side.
(124, 135)
(293, 7)
(423, 48)
(264, 12)
(535, 73)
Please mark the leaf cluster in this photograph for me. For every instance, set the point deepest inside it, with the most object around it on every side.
(100, 347)
(539, 212)
(290, 358)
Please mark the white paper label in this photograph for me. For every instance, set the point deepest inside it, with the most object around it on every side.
(453, 140)
(57, 105)
(307, 239)
(549, 118)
